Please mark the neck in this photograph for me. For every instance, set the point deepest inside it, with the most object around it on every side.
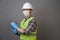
(28, 16)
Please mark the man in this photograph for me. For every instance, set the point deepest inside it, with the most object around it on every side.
(28, 26)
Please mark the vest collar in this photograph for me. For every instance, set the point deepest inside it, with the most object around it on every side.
(28, 18)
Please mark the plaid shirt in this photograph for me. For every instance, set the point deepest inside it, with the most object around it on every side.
(31, 27)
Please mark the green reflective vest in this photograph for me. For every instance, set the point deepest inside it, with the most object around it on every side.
(24, 25)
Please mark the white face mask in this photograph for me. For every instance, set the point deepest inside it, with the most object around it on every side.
(26, 13)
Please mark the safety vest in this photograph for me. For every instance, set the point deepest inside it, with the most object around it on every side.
(23, 25)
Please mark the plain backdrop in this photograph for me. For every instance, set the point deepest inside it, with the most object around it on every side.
(47, 12)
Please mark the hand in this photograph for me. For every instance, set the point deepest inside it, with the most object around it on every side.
(13, 25)
(15, 31)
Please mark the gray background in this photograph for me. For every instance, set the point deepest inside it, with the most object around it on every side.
(47, 12)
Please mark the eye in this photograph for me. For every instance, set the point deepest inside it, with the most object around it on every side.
(27, 9)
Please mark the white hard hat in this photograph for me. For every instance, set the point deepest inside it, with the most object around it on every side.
(27, 5)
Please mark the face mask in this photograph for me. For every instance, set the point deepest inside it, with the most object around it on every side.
(26, 13)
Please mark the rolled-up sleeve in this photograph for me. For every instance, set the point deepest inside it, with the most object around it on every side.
(31, 27)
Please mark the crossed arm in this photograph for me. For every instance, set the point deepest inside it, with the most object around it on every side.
(31, 27)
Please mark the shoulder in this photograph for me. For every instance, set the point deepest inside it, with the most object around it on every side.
(33, 20)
